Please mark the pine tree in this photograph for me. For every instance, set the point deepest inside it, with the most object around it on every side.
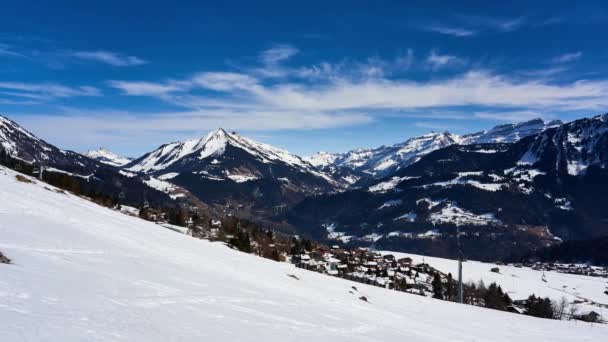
(437, 286)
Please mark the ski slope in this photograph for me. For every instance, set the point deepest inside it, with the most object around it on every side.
(81, 272)
(519, 283)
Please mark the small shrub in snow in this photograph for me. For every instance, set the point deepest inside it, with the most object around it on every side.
(4, 260)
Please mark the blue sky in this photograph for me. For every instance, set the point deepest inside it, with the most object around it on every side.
(325, 75)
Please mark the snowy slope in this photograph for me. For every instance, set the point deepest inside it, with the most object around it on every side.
(519, 283)
(83, 272)
(107, 157)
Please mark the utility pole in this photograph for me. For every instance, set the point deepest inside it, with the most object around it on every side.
(460, 280)
(460, 257)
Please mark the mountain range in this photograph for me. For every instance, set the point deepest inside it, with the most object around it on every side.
(507, 197)
(510, 189)
(355, 165)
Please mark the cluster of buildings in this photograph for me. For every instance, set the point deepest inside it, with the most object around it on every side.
(365, 266)
(580, 269)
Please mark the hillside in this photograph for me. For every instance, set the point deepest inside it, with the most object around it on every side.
(83, 272)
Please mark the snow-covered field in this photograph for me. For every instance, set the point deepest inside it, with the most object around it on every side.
(81, 272)
(519, 283)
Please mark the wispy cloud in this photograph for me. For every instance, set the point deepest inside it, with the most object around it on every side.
(46, 91)
(142, 88)
(510, 116)
(323, 95)
(493, 23)
(544, 72)
(109, 57)
(278, 53)
(451, 31)
(568, 57)
(8, 50)
(437, 61)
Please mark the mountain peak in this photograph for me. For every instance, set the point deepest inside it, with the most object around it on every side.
(106, 156)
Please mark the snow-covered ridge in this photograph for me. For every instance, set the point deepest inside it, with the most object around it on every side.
(322, 159)
(383, 160)
(509, 133)
(212, 145)
(107, 157)
(11, 135)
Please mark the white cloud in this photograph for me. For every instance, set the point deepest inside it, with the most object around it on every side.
(451, 31)
(46, 91)
(473, 88)
(109, 57)
(142, 88)
(510, 116)
(437, 61)
(568, 57)
(224, 81)
(405, 61)
(8, 50)
(492, 23)
(134, 131)
(278, 53)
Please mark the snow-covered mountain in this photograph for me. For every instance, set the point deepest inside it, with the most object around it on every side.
(90, 174)
(223, 166)
(84, 272)
(18, 143)
(507, 197)
(378, 162)
(509, 133)
(107, 157)
(571, 148)
(382, 161)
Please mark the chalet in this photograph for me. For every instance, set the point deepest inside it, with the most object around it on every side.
(405, 261)
(588, 316)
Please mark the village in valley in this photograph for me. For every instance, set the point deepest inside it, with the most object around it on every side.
(363, 265)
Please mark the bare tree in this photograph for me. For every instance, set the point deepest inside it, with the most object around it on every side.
(559, 308)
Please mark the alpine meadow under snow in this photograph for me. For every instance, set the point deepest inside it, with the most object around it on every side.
(84, 272)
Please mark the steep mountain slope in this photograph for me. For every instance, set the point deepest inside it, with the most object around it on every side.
(20, 148)
(385, 160)
(107, 157)
(21, 144)
(508, 198)
(509, 133)
(85, 272)
(225, 166)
